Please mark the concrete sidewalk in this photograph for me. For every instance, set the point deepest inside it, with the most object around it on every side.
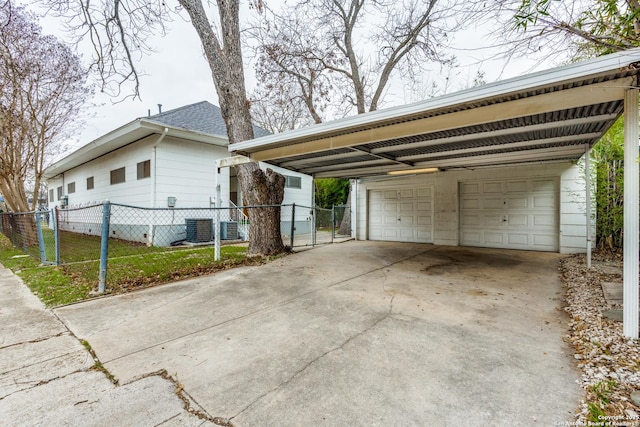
(46, 375)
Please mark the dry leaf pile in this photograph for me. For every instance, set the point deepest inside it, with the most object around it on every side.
(610, 363)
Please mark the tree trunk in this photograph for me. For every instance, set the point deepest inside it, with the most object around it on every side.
(266, 188)
(225, 61)
(345, 224)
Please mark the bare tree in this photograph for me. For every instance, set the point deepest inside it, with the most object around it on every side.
(275, 110)
(42, 88)
(119, 30)
(586, 27)
(339, 56)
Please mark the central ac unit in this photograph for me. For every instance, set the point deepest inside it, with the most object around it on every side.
(229, 230)
(199, 230)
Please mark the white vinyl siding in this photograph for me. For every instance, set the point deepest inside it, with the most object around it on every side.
(186, 171)
(182, 169)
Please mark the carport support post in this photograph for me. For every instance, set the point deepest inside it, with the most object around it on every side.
(631, 202)
(587, 174)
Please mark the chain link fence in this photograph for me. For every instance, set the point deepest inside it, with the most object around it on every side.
(108, 231)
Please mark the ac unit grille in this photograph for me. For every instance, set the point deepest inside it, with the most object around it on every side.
(229, 230)
(199, 230)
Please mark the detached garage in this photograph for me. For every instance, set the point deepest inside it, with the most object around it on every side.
(492, 166)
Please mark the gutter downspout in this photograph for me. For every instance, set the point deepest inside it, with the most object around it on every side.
(154, 182)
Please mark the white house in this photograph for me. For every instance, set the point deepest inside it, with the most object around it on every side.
(163, 161)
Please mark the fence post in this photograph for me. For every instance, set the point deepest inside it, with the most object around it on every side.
(43, 257)
(333, 222)
(314, 218)
(293, 222)
(218, 206)
(104, 246)
(56, 234)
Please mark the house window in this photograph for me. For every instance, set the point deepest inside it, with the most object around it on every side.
(59, 192)
(90, 183)
(51, 199)
(144, 169)
(71, 187)
(293, 181)
(117, 176)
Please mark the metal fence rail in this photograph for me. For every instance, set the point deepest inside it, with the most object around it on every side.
(106, 231)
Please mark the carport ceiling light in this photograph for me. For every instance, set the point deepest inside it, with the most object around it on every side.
(412, 171)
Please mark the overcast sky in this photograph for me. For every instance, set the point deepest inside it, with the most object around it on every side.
(177, 75)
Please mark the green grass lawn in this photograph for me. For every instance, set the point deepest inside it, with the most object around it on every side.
(135, 267)
(76, 247)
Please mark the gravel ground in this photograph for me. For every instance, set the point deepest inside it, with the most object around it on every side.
(610, 363)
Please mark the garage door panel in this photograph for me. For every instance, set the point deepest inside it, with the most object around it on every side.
(470, 220)
(390, 208)
(492, 220)
(407, 234)
(521, 220)
(407, 193)
(493, 238)
(492, 188)
(407, 221)
(390, 220)
(517, 239)
(544, 240)
(546, 201)
(470, 203)
(517, 186)
(514, 213)
(408, 206)
(390, 195)
(517, 202)
(425, 236)
(424, 192)
(469, 188)
(424, 206)
(473, 238)
(544, 185)
(424, 220)
(492, 203)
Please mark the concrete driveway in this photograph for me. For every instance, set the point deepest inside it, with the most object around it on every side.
(358, 333)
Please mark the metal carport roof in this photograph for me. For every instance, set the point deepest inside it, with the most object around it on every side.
(547, 116)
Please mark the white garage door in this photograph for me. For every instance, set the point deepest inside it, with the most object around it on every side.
(513, 214)
(401, 215)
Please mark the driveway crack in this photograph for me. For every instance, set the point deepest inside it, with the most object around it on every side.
(314, 361)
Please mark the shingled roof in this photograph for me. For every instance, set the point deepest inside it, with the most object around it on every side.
(199, 117)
